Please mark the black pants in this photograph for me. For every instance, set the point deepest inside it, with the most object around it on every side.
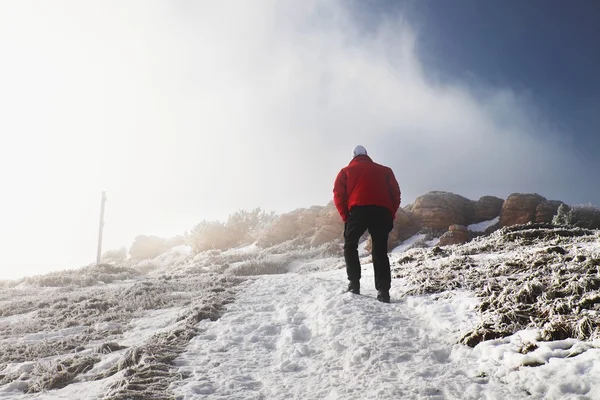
(379, 222)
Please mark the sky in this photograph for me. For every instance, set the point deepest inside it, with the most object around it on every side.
(184, 111)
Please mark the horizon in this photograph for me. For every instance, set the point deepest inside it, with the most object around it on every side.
(184, 112)
(224, 220)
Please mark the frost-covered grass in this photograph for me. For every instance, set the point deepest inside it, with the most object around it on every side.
(87, 276)
(252, 260)
(52, 337)
(147, 369)
(56, 328)
(530, 276)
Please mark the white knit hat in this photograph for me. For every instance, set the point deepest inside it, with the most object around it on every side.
(359, 151)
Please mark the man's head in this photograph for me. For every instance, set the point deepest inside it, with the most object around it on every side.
(359, 151)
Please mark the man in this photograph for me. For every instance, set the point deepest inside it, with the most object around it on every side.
(367, 196)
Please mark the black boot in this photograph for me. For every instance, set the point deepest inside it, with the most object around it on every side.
(354, 287)
(383, 296)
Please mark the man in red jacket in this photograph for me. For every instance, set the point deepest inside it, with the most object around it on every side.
(367, 196)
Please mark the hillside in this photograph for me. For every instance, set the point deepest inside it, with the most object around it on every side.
(512, 313)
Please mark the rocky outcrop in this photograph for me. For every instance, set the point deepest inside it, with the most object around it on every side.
(327, 234)
(520, 208)
(307, 220)
(406, 224)
(317, 225)
(546, 211)
(438, 210)
(457, 234)
(434, 212)
(487, 208)
(329, 226)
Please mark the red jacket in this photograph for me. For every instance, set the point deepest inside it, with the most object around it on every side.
(365, 183)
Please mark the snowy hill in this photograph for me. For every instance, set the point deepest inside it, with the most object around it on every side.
(508, 316)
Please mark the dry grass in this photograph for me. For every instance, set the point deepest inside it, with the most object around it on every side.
(542, 279)
(59, 361)
(148, 371)
(59, 373)
(84, 277)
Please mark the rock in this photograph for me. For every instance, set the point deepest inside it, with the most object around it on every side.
(439, 210)
(329, 216)
(520, 208)
(457, 234)
(317, 225)
(307, 221)
(326, 234)
(487, 208)
(461, 228)
(406, 225)
(545, 212)
(329, 225)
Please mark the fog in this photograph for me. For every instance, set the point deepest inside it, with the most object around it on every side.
(184, 111)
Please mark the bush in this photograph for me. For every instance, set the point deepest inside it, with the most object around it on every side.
(563, 215)
(209, 235)
(249, 224)
(242, 227)
(116, 255)
(582, 216)
(147, 247)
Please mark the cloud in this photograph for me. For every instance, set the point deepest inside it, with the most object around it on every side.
(309, 82)
(190, 110)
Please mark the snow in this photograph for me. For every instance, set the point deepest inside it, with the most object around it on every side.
(153, 322)
(362, 247)
(299, 335)
(432, 242)
(565, 369)
(411, 241)
(82, 390)
(482, 226)
(408, 243)
(54, 335)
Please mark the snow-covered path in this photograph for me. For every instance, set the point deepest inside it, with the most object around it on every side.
(299, 336)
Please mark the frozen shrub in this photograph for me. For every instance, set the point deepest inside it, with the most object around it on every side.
(586, 216)
(115, 255)
(249, 224)
(563, 215)
(276, 264)
(4, 284)
(146, 266)
(582, 216)
(86, 276)
(242, 227)
(209, 235)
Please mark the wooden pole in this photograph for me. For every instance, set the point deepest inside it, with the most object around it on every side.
(101, 227)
